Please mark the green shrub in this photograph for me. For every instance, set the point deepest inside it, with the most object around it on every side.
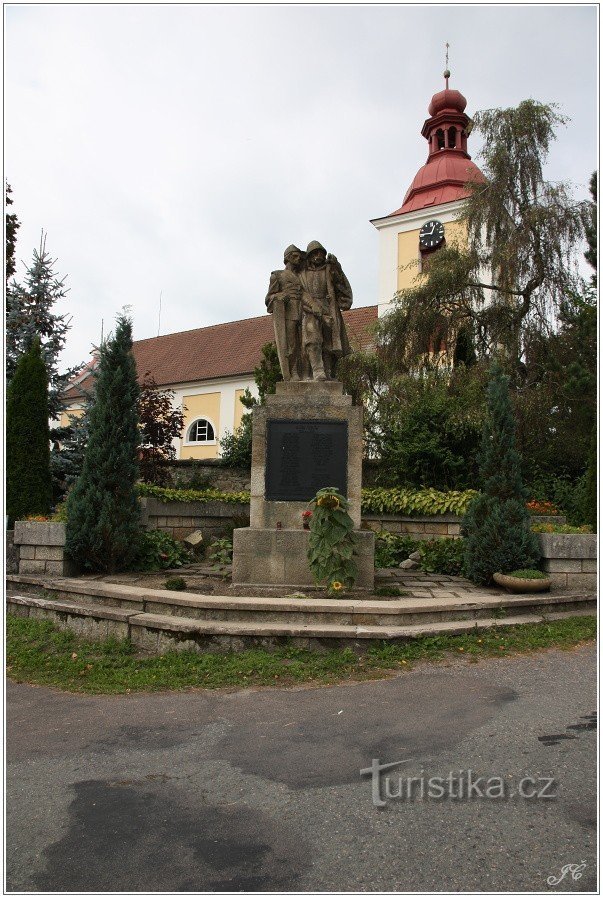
(497, 523)
(177, 584)
(395, 500)
(28, 480)
(560, 528)
(589, 498)
(332, 541)
(443, 556)
(528, 574)
(220, 552)
(392, 548)
(235, 448)
(160, 551)
(190, 495)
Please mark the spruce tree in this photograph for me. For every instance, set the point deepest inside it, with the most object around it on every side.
(12, 226)
(30, 313)
(497, 523)
(103, 519)
(28, 483)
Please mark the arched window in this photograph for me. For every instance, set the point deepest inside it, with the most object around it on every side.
(440, 138)
(452, 137)
(201, 431)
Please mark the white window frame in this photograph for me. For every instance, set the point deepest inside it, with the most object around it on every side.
(193, 423)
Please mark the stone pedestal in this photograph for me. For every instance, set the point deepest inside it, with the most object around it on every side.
(306, 432)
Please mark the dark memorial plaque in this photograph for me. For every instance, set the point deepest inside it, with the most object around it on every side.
(302, 457)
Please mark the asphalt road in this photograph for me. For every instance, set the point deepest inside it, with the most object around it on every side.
(260, 790)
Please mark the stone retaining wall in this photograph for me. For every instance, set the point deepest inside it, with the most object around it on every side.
(432, 526)
(41, 547)
(179, 519)
(570, 559)
(218, 476)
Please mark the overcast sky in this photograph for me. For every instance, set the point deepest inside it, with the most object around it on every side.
(179, 149)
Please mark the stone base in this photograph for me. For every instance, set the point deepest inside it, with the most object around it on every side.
(280, 557)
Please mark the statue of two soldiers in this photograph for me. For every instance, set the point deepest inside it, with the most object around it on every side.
(306, 299)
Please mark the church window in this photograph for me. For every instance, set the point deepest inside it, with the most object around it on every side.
(452, 138)
(201, 431)
(440, 138)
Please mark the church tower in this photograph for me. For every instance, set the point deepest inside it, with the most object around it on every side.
(427, 217)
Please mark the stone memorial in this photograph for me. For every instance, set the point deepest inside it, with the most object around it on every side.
(308, 435)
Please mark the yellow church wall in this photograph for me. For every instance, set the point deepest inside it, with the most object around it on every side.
(408, 251)
(203, 405)
(65, 417)
(239, 409)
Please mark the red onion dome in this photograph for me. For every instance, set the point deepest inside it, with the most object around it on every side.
(447, 99)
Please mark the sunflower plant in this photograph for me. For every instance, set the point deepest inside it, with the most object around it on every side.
(332, 541)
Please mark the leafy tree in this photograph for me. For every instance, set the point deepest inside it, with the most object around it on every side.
(28, 484)
(29, 313)
(236, 447)
(590, 226)
(160, 424)
(497, 523)
(103, 518)
(518, 262)
(12, 226)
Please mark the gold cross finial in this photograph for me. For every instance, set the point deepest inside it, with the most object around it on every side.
(447, 70)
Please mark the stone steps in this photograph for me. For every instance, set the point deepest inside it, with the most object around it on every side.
(158, 621)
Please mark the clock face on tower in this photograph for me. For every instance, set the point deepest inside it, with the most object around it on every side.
(431, 234)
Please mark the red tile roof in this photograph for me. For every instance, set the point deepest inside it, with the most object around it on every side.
(221, 350)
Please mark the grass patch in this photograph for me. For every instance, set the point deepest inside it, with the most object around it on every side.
(39, 653)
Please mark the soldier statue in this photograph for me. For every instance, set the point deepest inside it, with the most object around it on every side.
(306, 300)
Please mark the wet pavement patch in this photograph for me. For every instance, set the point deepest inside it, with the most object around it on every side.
(143, 836)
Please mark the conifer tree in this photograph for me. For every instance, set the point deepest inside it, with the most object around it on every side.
(103, 525)
(590, 486)
(12, 226)
(28, 483)
(497, 523)
(30, 314)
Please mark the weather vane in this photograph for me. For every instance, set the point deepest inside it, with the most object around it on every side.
(447, 70)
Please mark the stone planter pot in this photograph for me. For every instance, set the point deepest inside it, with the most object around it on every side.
(519, 584)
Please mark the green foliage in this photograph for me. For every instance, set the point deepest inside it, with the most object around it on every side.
(220, 552)
(29, 314)
(590, 226)
(497, 523)
(235, 448)
(28, 481)
(158, 550)
(393, 548)
(379, 500)
(443, 556)
(560, 528)
(528, 574)
(160, 424)
(103, 517)
(332, 542)
(12, 226)
(167, 494)
(177, 584)
(390, 591)
(589, 505)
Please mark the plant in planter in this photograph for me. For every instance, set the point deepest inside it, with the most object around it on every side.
(332, 543)
(497, 523)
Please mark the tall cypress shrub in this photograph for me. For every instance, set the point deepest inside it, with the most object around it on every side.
(497, 523)
(103, 518)
(28, 481)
